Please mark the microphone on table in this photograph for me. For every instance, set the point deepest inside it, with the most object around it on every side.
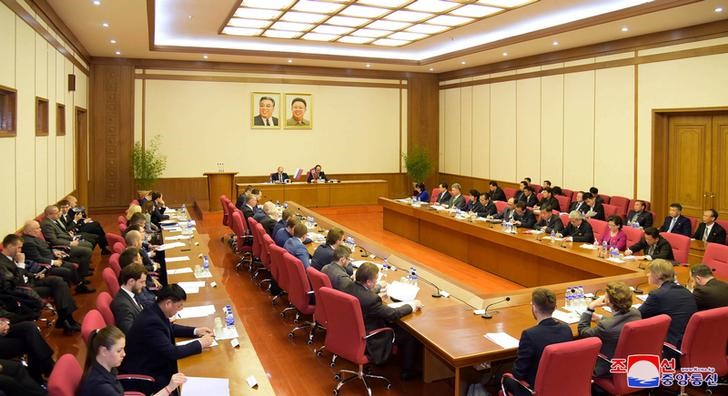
(637, 289)
(486, 314)
(435, 294)
(364, 252)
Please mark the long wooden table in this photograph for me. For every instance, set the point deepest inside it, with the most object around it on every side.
(453, 337)
(222, 361)
(312, 195)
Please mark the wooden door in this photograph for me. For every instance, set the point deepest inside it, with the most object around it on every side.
(689, 162)
(719, 190)
(81, 152)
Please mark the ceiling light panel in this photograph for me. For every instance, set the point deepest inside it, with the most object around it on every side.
(236, 31)
(364, 12)
(256, 13)
(427, 28)
(384, 3)
(390, 42)
(303, 17)
(328, 29)
(319, 37)
(407, 36)
(269, 4)
(408, 16)
(292, 26)
(388, 25)
(506, 3)
(371, 33)
(249, 23)
(282, 34)
(475, 11)
(317, 6)
(432, 5)
(356, 40)
(448, 20)
(347, 21)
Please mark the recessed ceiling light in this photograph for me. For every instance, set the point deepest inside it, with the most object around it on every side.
(97, 2)
(426, 29)
(432, 5)
(347, 21)
(205, 56)
(718, 9)
(118, 52)
(363, 12)
(105, 24)
(448, 20)
(290, 61)
(238, 31)
(407, 36)
(189, 17)
(269, 4)
(355, 40)
(475, 11)
(248, 23)
(463, 62)
(407, 16)
(555, 43)
(320, 37)
(303, 17)
(255, 13)
(625, 29)
(371, 33)
(368, 65)
(112, 41)
(317, 6)
(388, 25)
(432, 69)
(505, 54)
(281, 34)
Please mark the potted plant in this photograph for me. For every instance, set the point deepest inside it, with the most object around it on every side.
(148, 164)
(418, 164)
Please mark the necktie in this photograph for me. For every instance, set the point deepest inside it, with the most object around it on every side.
(672, 224)
(280, 177)
(60, 224)
(635, 217)
(651, 250)
(705, 234)
(138, 304)
(267, 122)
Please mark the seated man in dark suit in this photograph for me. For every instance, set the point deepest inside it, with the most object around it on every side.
(521, 187)
(578, 204)
(71, 219)
(13, 276)
(676, 222)
(378, 315)
(126, 305)
(55, 234)
(36, 249)
(548, 221)
(324, 253)
(548, 199)
(578, 230)
(286, 232)
(594, 208)
(485, 206)
(294, 245)
(316, 175)
(285, 215)
(444, 197)
(269, 211)
(150, 344)
(24, 339)
(618, 297)
(528, 197)
(496, 193)
(709, 230)
(251, 202)
(86, 225)
(336, 269)
(653, 246)
(639, 215)
(535, 339)
(509, 212)
(15, 380)
(669, 298)
(457, 200)
(159, 208)
(279, 176)
(709, 292)
(524, 217)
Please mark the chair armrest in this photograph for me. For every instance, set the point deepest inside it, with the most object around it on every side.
(523, 384)
(605, 358)
(380, 330)
(136, 377)
(672, 347)
(132, 393)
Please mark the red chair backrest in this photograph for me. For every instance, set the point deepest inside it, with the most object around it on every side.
(564, 203)
(298, 293)
(115, 238)
(705, 340)
(122, 227)
(318, 280)
(345, 330)
(605, 198)
(256, 238)
(536, 188)
(278, 266)
(724, 224)
(680, 245)
(716, 257)
(500, 206)
(510, 192)
(435, 192)
(564, 219)
(568, 194)
(259, 239)
(238, 226)
(622, 204)
(693, 223)
(610, 210)
(599, 227)
(266, 259)
(121, 220)
(577, 358)
(92, 321)
(114, 264)
(112, 282)
(634, 235)
(65, 377)
(643, 336)
(225, 211)
(103, 304)
(118, 247)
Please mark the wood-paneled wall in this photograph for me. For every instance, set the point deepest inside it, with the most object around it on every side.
(423, 118)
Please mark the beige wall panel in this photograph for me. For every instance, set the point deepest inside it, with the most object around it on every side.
(41, 67)
(41, 174)
(614, 131)
(441, 134)
(138, 109)
(683, 83)
(466, 131)
(25, 140)
(481, 131)
(685, 46)
(579, 130)
(453, 109)
(552, 129)
(61, 80)
(52, 117)
(8, 197)
(403, 141)
(528, 128)
(80, 95)
(59, 170)
(503, 131)
(347, 121)
(69, 165)
(7, 46)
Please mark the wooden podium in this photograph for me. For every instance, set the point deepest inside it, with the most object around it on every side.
(219, 183)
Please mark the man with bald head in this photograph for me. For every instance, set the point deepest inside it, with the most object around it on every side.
(38, 251)
(56, 234)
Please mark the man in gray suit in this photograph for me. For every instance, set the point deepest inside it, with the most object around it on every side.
(618, 299)
(55, 233)
(125, 304)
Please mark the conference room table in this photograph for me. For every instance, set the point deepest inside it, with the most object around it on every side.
(452, 335)
(221, 361)
(312, 195)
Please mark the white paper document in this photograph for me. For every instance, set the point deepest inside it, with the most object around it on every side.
(642, 297)
(185, 342)
(566, 317)
(616, 260)
(185, 270)
(169, 221)
(177, 237)
(176, 259)
(172, 245)
(504, 340)
(196, 312)
(204, 386)
(588, 246)
(191, 284)
(203, 274)
(402, 291)
(226, 333)
(635, 306)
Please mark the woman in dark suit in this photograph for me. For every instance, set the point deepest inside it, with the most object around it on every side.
(421, 192)
(105, 354)
(159, 208)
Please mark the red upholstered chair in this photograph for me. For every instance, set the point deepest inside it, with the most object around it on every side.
(103, 305)
(643, 336)
(610, 210)
(724, 224)
(114, 264)
(266, 259)
(634, 235)
(716, 257)
(599, 227)
(118, 247)
(66, 378)
(564, 203)
(278, 269)
(225, 211)
(242, 248)
(114, 239)
(567, 193)
(299, 292)
(122, 227)
(500, 206)
(121, 219)
(92, 321)
(510, 192)
(564, 369)
(647, 205)
(705, 340)
(622, 204)
(564, 219)
(693, 224)
(346, 336)
(435, 192)
(536, 188)
(680, 245)
(605, 198)
(318, 280)
(112, 282)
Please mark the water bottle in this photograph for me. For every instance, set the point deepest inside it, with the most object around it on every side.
(229, 319)
(605, 248)
(614, 252)
(569, 297)
(285, 205)
(553, 236)
(581, 300)
(206, 263)
(414, 276)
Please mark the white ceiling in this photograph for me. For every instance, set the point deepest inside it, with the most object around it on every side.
(195, 24)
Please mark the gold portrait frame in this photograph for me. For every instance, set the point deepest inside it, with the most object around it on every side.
(288, 112)
(255, 98)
